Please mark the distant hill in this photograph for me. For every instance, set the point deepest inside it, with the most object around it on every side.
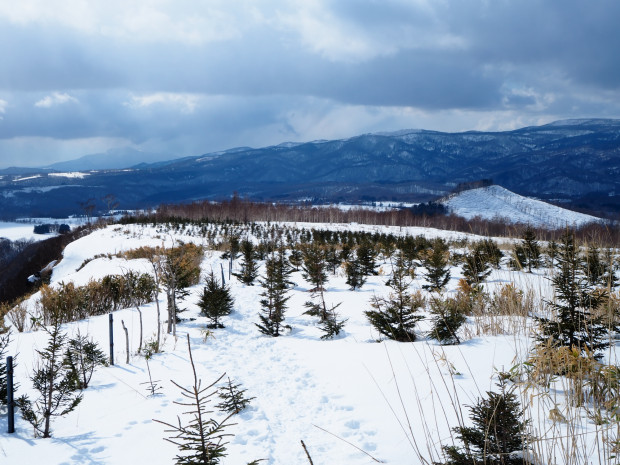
(495, 202)
(574, 162)
(119, 158)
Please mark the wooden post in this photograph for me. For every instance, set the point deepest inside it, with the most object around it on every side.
(223, 280)
(126, 340)
(111, 339)
(9, 394)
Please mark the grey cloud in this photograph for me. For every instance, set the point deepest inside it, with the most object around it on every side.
(534, 59)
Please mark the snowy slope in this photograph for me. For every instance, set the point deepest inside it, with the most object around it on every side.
(340, 397)
(495, 202)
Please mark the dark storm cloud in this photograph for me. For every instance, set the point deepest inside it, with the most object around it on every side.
(291, 70)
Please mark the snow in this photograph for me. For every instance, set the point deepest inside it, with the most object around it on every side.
(72, 174)
(27, 178)
(14, 231)
(24, 229)
(337, 396)
(495, 202)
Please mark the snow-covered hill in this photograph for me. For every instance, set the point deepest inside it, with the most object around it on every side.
(495, 202)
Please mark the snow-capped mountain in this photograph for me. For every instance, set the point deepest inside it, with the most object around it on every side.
(577, 162)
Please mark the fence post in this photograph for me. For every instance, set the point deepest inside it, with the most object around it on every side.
(9, 394)
(111, 339)
(223, 280)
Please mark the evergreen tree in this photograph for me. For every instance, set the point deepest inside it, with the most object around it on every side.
(314, 265)
(233, 398)
(498, 436)
(54, 384)
(437, 263)
(447, 316)
(573, 324)
(202, 440)
(313, 270)
(593, 266)
(82, 357)
(395, 317)
(490, 251)
(552, 253)
(332, 258)
(531, 250)
(249, 267)
(519, 259)
(355, 274)
(216, 301)
(4, 388)
(366, 255)
(274, 299)
(295, 257)
(331, 326)
(476, 267)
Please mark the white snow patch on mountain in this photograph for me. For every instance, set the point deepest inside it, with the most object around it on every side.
(72, 174)
(495, 202)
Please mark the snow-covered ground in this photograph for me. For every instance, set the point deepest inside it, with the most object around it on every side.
(495, 202)
(24, 229)
(351, 400)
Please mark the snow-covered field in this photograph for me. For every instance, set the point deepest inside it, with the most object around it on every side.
(495, 202)
(24, 229)
(351, 400)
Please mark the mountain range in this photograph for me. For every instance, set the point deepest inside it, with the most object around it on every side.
(572, 162)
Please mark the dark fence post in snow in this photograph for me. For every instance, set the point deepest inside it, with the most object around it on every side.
(111, 339)
(223, 280)
(9, 394)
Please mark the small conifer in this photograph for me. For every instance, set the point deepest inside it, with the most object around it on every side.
(216, 301)
(396, 316)
(249, 267)
(437, 263)
(498, 435)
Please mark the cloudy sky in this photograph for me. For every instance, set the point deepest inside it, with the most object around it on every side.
(186, 77)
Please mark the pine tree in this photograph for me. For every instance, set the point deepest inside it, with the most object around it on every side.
(573, 324)
(498, 436)
(593, 267)
(82, 357)
(447, 316)
(53, 382)
(366, 255)
(249, 267)
(314, 265)
(202, 440)
(216, 301)
(296, 257)
(332, 326)
(437, 263)
(332, 258)
(273, 303)
(355, 274)
(476, 267)
(395, 317)
(531, 250)
(233, 398)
